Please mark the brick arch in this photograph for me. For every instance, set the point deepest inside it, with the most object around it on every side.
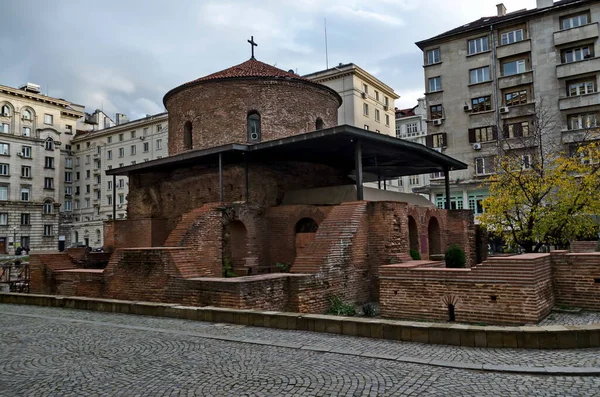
(250, 218)
(434, 232)
(413, 234)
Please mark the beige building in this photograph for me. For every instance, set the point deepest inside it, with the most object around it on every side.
(367, 102)
(496, 73)
(35, 166)
(98, 150)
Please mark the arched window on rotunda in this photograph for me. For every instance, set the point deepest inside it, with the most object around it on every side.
(253, 126)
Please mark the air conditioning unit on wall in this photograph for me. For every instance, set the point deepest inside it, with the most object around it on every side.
(477, 146)
(504, 109)
(437, 122)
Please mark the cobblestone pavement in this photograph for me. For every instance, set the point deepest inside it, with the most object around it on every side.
(59, 352)
(583, 318)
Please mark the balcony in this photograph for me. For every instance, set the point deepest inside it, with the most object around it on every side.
(579, 101)
(572, 35)
(508, 50)
(565, 70)
(525, 110)
(575, 136)
(515, 80)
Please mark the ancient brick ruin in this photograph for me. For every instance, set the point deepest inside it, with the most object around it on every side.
(260, 180)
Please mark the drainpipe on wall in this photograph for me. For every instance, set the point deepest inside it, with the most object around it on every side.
(496, 90)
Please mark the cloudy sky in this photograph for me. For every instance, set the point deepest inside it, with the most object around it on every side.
(123, 56)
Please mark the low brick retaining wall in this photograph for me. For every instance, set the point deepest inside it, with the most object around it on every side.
(534, 337)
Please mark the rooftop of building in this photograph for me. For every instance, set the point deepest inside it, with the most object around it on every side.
(405, 112)
(345, 68)
(251, 69)
(486, 22)
(84, 134)
(67, 106)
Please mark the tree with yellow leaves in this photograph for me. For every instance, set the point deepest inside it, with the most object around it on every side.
(542, 193)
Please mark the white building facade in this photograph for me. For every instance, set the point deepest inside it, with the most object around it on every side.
(35, 167)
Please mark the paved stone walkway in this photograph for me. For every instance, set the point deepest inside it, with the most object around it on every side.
(59, 352)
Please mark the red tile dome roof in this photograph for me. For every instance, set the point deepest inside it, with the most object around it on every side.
(249, 69)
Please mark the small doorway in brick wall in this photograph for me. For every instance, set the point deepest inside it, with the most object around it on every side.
(413, 234)
(306, 229)
(433, 231)
(235, 248)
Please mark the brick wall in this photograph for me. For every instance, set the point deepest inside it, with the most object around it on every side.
(576, 279)
(460, 230)
(80, 282)
(218, 111)
(43, 267)
(584, 246)
(140, 232)
(512, 290)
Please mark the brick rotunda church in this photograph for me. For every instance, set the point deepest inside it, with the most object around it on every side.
(261, 179)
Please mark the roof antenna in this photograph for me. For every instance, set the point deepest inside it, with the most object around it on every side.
(326, 51)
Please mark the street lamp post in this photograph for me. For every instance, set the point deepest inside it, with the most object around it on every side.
(15, 239)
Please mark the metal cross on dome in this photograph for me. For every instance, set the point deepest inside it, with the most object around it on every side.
(252, 45)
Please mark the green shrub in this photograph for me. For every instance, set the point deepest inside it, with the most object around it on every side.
(368, 310)
(228, 268)
(284, 267)
(455, 257)
(340, 308)
(415, 255)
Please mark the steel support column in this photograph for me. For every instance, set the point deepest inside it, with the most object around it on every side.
(114, 201)
(447, 185)
(359, 170)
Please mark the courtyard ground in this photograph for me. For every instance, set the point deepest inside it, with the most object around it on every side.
(59, 352)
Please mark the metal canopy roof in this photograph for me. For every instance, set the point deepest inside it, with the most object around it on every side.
(382, 156)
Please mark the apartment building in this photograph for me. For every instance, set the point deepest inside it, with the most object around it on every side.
(35, 166)
(487, 80)
(367, 102)
(411, 125)
(98, 150)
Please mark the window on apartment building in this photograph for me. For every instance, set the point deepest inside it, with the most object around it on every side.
(25, 171)
(109, 154)
(47, 208)
(26, 131)
(77, 161)
(583, 121)
(4, 149)
(526, 161)
(68, 205)
(121, 183)
(109, 199)
(436, 140)
(99, 149)
(515, 98)
(3, 192)
(433, 56)
(97, 194)
(377, 95)
(158, 144)
(121, 136)
(25, 219)
(159, 128)
(484, 165)
(48, 230)
(456, 202)
(133, 134)
(573, 21)
(413, 180)
(69, 129)
(48, 119)
(4, 128)
(77, 175)
(109, 185)
(514, 67)
(87, 188)
(478, 45)
(366, 109)
(133, 149)
(5, 111)
(386, 101)
(479, 75)
(68, 177)
(481, 104)
(4, 169)
(88, 173)
(109, 139)
(76, 205)
(436, 112)
(387, 120)
(26, 152)
(146, 131)
(476, 203)
(483, 134)
(511, 37)
(87, 159)
(3, 218)
(435, 84)
(412, 129)
(49, 144)
(121, 198)
(68, 190)
(575, 88)
(48, 183)
(377, 115)
(365, 89)
(516, 130)
(87, 202)
(146, 146)
(87, 145)
(577, 54)
(27, 115)
(25, 191)
(121, 152)
(68, 162)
